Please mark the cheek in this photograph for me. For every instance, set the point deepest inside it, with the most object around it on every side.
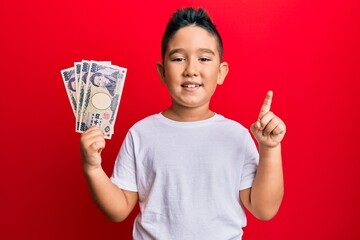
(174, 68)
(171, 77)
(211, 76)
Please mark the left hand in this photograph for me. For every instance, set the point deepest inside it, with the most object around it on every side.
(269, 129)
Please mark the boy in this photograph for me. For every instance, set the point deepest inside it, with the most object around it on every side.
(191, 170)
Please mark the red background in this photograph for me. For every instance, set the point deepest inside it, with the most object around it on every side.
(307, 52)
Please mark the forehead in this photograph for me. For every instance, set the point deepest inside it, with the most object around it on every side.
(192, 38)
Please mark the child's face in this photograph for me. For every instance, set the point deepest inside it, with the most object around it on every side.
(191, 68)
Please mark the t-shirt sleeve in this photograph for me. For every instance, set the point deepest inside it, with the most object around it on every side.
(124, 173)
(251, 163)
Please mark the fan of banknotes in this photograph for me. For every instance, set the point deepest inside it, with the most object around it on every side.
(94, 89)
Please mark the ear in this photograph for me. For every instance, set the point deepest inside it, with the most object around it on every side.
(223, 71)
(160, 69)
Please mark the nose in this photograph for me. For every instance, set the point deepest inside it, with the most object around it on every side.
(191, 69)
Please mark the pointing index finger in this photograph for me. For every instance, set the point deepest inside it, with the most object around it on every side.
(266, 105)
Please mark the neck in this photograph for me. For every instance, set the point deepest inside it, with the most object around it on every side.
(188, 114)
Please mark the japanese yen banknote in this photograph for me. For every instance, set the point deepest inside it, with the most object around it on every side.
(94, 90)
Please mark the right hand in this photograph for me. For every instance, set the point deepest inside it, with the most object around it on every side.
(269, 129)
(92, 142)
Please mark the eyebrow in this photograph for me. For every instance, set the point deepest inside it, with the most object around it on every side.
(176, 50)
(181, 50)
(206, 50)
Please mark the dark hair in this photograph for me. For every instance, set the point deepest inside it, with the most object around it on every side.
(188, 16)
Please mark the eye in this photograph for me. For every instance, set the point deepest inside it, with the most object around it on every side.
(178, 59)
(204, 59)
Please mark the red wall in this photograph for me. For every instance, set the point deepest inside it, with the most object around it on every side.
(307, 52)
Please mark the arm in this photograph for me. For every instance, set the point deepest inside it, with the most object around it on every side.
(114, 202)
(264, 198)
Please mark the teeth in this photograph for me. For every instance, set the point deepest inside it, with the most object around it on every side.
(191, 85)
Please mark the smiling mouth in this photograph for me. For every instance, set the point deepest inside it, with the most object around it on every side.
(191, 85)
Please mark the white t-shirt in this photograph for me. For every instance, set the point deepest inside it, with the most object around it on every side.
(188, 176)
